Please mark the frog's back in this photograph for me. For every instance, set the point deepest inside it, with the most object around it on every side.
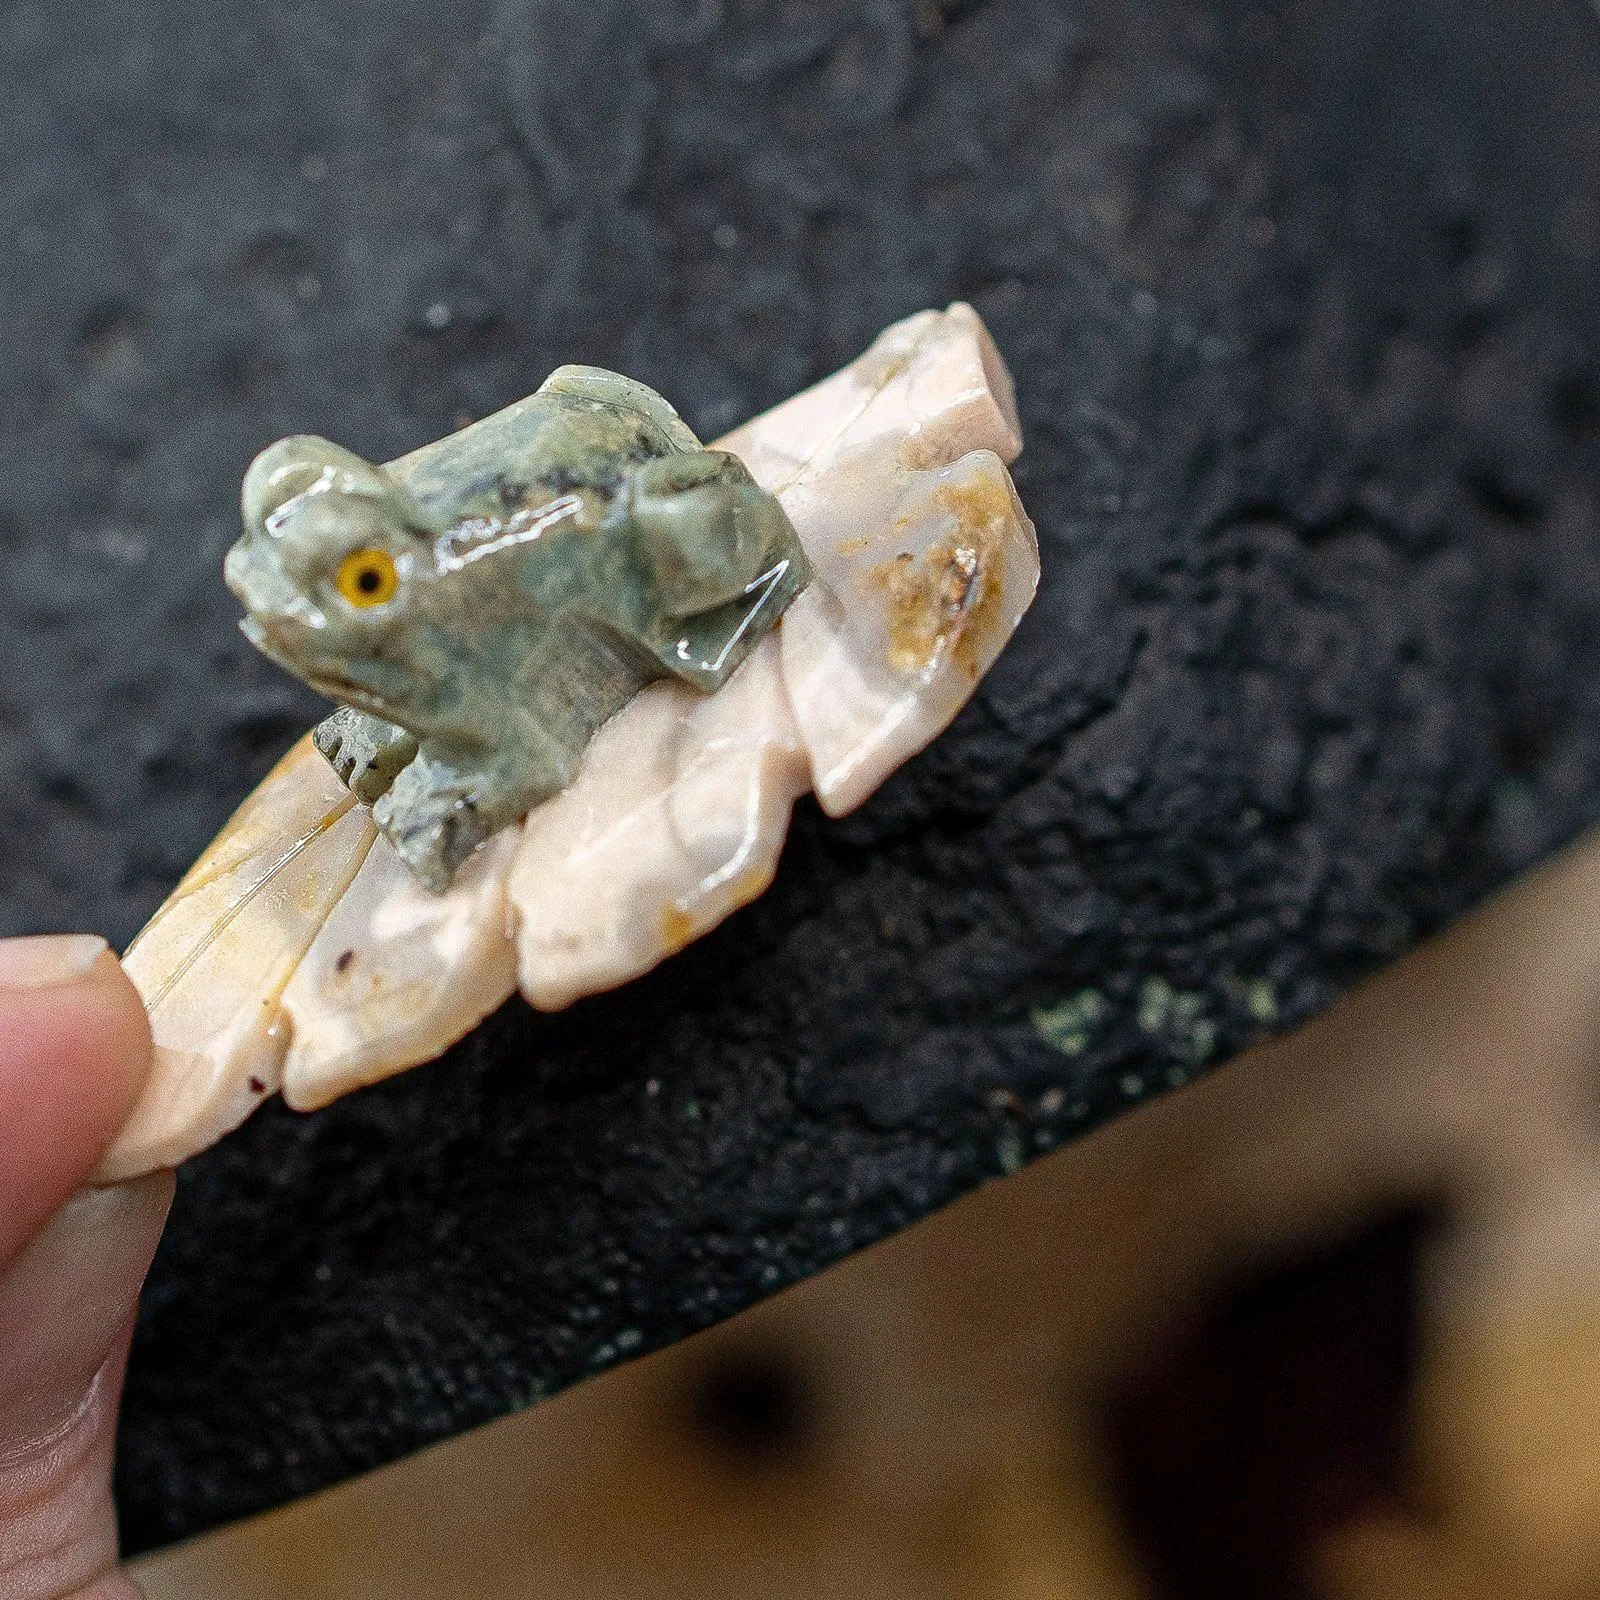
(582, 432)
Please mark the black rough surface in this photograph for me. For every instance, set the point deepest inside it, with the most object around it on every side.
(1300, 301)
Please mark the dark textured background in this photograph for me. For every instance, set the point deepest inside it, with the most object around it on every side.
(1300, 300)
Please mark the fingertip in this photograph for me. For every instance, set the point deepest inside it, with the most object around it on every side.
(74, 1054)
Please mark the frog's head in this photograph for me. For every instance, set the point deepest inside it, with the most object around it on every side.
(333, 552)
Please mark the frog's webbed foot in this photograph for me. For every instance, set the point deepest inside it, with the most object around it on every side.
(367, 752)
(724, 556)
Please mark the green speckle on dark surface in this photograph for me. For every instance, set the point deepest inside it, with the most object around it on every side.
(1070, 1024)
(1299, 299)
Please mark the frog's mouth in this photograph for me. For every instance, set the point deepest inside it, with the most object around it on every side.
(271, 645)
(330, 675)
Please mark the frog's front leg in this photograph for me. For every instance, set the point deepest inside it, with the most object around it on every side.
(723, 555)
(367, 752)
(435, 815)
(448, 802)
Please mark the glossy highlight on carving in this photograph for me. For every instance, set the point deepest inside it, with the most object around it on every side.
(481, 607)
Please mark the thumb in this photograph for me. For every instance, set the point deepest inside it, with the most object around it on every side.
(74, 1052)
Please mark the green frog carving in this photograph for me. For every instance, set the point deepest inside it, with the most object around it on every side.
(481, 606)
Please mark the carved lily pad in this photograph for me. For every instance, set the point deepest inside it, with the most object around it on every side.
(300, 953)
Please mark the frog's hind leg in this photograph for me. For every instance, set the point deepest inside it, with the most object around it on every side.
(367, 752)
(724, 557)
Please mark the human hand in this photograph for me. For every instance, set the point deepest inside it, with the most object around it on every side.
(74, 1054)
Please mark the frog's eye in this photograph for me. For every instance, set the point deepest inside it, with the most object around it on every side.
(367, 578)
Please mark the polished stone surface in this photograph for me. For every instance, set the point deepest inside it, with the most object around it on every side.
(1299, 300)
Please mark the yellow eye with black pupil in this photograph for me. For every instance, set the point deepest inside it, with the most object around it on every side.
(367, 578)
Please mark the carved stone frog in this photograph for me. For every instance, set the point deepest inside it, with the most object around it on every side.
(481, 606)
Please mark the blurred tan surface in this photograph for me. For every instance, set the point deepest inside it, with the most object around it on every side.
(929, 1419)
